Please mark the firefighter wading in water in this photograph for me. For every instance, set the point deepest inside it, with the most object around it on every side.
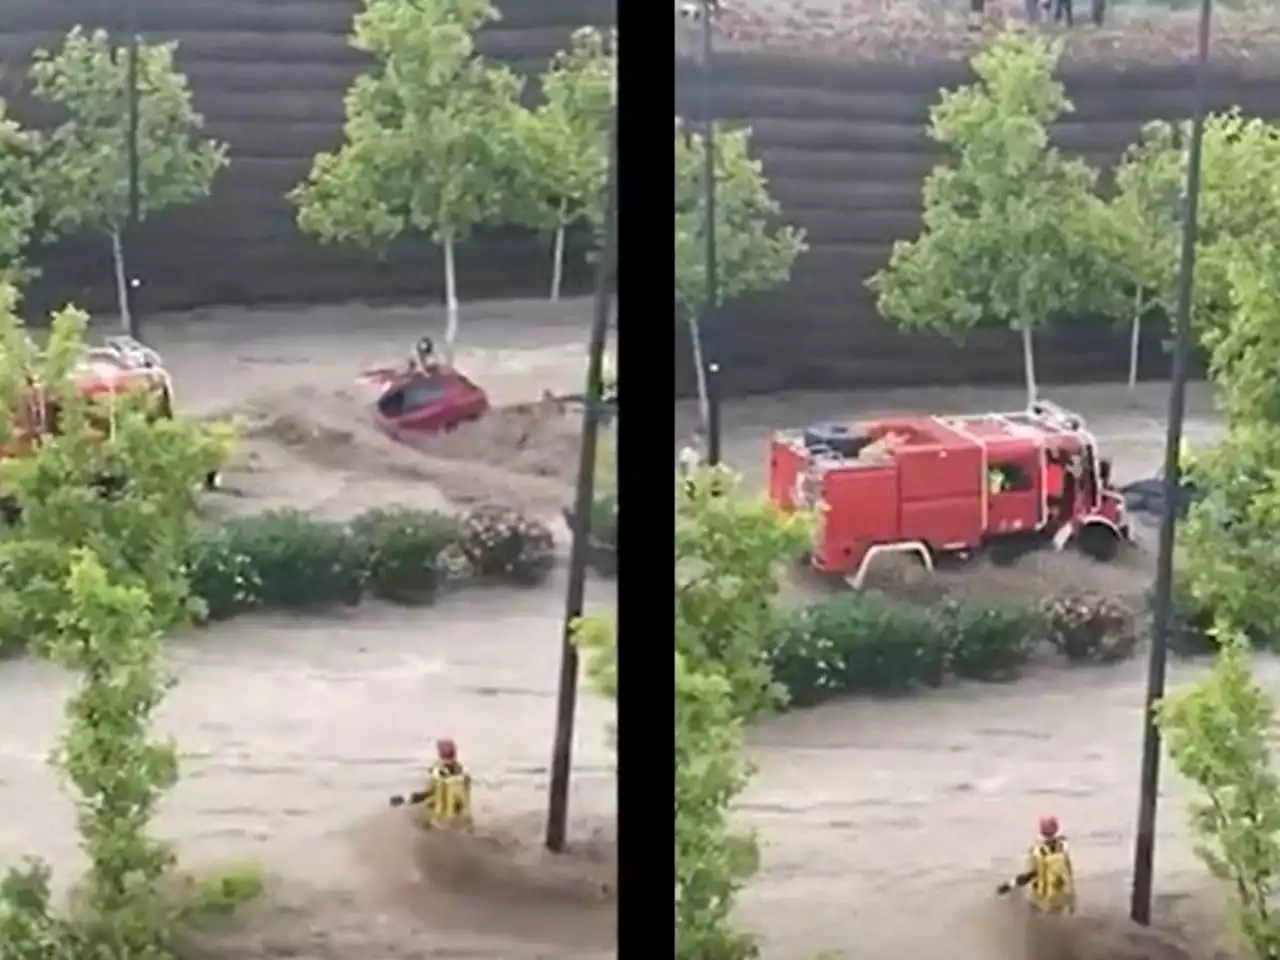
(1049, 877)
(446, 802)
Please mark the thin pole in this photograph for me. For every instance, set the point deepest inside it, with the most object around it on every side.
(567, 695)
(711, 296)
(131, 145)
(1148, 795)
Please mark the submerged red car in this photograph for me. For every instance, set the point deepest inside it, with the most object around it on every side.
(428, 399)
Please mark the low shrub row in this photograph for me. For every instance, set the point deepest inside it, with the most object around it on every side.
(1192, 622)
(870, 643)
(604, 533)
(286, 559)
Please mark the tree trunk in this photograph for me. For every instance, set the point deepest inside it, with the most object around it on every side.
(700, 370)
(1135, 341)
(450, 300)
(1029, 361)
(557, 257)
(122, 284)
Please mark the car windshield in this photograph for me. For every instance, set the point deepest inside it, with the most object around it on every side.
(419, 393)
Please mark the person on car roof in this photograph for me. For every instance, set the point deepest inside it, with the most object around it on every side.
(423, 358)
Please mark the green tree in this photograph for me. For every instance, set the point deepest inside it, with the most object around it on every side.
(714, 860)
(731, 548)
(1229, 565)
(1013, 232)
(1239, 165)
(19, 204)
(1218, 736)
(754, 251)
(85, 166)
(92, 583)
(1145, 210)
(566, 142)
(430, 136)
(1218, 731)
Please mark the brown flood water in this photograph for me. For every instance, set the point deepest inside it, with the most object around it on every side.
(884, 824)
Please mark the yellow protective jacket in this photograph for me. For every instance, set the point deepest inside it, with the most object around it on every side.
(1050, 877)
(448, 793)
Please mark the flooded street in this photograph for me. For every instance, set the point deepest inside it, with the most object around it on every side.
(884, 824)
(870, 811)
(294, 732)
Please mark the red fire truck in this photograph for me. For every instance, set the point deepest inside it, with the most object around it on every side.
(949, 486)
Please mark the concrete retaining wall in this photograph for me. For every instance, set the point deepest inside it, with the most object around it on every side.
(845, 147)
(269, 76)
(844, 144)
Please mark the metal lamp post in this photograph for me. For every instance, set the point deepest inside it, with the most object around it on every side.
(711, 296)
(567, 695)
(702, 12)
(1144, 842)
(131, 148)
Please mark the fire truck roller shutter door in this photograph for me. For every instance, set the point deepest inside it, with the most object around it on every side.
(943, 493)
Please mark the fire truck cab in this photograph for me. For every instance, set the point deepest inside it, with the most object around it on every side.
(937, 486)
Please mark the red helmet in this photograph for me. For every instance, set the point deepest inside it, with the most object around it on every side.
(446, 750)
(1048, 827)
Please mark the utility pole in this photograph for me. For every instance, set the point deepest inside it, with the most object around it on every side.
(131, 153)
(1149, 789)
(711, 296)
(567, 694)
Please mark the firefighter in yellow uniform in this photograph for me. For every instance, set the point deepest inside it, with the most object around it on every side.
(1050, 876)
(446, 802)
(1187, 459)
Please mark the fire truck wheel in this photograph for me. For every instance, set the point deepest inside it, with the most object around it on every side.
(1004, 554)
(1098, 541)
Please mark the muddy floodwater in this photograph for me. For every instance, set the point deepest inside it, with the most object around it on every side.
(884, 824)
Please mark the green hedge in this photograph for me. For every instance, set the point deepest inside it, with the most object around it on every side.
(288, 560)
(870, 643)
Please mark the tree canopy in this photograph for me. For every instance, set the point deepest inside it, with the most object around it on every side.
(93, 582)
(85, 166)
(1013, 232)
(431, 140)
(754, 249)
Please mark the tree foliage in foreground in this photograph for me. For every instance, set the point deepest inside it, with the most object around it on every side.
(93, 583)
(730, 549)
(1013, 232)
(431, 140)
(19, 193)
(1218, 731)
(1218, 737)
(84, 166)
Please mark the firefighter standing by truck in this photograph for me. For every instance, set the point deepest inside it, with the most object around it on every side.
(1049, 877)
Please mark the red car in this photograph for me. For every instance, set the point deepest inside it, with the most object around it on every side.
(425, 400)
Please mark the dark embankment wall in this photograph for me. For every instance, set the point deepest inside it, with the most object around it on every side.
(846, 150)
(269, 76)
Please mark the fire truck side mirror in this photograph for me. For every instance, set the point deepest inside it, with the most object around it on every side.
(1104, 471)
